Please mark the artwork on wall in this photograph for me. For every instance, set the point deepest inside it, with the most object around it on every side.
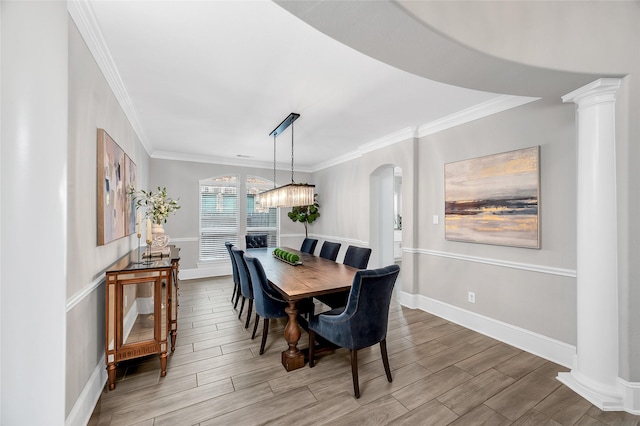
(116, 173)
(494, 199)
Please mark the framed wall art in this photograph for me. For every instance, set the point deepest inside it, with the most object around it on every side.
(116, 173)
(494, 199)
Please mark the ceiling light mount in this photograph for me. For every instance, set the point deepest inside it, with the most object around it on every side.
(293, 194)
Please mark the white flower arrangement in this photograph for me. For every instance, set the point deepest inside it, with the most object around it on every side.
(158, 205)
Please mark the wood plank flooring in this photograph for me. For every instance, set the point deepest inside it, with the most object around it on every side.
(443, 374)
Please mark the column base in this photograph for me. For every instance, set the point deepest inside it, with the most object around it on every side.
(605, 398)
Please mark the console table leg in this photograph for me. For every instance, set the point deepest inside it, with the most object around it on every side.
(292, 358)
(163, 364)
(111, 376)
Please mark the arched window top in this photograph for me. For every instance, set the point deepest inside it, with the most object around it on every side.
(220, 180)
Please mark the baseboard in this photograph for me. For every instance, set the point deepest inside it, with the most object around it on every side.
(205, 272)
(86, 402)
(553, 350)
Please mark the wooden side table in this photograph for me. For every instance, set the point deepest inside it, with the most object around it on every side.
(141, 307)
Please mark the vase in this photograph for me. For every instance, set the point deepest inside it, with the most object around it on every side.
(159, 238)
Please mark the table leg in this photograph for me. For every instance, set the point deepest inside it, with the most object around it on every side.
(292, 358)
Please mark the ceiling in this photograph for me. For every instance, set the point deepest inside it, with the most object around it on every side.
(209, 80)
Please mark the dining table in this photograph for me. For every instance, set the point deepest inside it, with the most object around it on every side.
(311, 276)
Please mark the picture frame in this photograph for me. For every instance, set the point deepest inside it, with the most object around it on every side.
(494, 199)
(116, 172)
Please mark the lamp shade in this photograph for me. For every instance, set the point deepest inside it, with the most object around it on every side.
(291, 195)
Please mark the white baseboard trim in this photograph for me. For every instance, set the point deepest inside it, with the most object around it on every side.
(205, 272)
(537, 344)
(86, 402)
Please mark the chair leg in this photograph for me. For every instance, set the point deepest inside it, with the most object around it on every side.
(255, 326)
(354, 372)
(385, 359)
(312, 347)
(246, 325)
(235, 290)
(265, 332)
(235, 305)
(241, 306)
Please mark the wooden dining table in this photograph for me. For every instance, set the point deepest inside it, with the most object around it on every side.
(316, 276)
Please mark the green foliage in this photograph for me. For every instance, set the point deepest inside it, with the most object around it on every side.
(157, 205)
(306, 214)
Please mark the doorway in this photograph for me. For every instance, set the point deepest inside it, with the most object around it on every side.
(385, 226)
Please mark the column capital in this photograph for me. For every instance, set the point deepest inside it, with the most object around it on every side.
(601, 90)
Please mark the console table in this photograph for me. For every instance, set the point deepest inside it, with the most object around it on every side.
(141, 309)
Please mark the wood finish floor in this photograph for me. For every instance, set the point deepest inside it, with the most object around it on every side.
(443, 374)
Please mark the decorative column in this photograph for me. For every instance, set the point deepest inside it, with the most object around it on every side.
(595, 370)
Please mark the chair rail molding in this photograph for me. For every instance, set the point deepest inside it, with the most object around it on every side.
(571, 273)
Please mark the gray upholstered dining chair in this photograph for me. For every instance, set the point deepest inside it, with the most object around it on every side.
(256, 241)
(308, 245)
(330, 250)
(236, 278)
(245, 283)
(363, 322)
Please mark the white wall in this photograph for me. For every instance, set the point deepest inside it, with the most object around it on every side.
(91, 105)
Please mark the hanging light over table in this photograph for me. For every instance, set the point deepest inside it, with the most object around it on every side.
(293, 194)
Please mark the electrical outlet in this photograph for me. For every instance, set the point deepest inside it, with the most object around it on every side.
(472, 297)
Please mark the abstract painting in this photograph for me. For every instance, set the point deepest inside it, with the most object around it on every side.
(494, 199)
(115, 173)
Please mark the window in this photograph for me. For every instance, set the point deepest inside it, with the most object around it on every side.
(219, 216)
(261, 220)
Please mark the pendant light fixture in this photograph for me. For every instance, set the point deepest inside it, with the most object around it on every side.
(293, 194)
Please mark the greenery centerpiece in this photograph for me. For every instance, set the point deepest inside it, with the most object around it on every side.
(305, 214)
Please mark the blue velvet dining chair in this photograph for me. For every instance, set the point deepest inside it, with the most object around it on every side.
(308, 245)
(245, 283)
(363, 322)
(236, 278)
(358, 257)
(256, 241)
(330, 250)
(268, 302)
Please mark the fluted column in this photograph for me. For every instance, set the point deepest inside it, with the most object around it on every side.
(595, 370)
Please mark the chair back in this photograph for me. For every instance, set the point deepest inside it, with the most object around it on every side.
(243, 273)
(330, 250)
(234, 266)
(358, 257)
(256, 241)
(308, 245)
(367, 310)
(268, 302)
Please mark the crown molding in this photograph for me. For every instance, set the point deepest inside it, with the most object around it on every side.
(492, 106)
(225, 161)
(481, 110)
(85, 20)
